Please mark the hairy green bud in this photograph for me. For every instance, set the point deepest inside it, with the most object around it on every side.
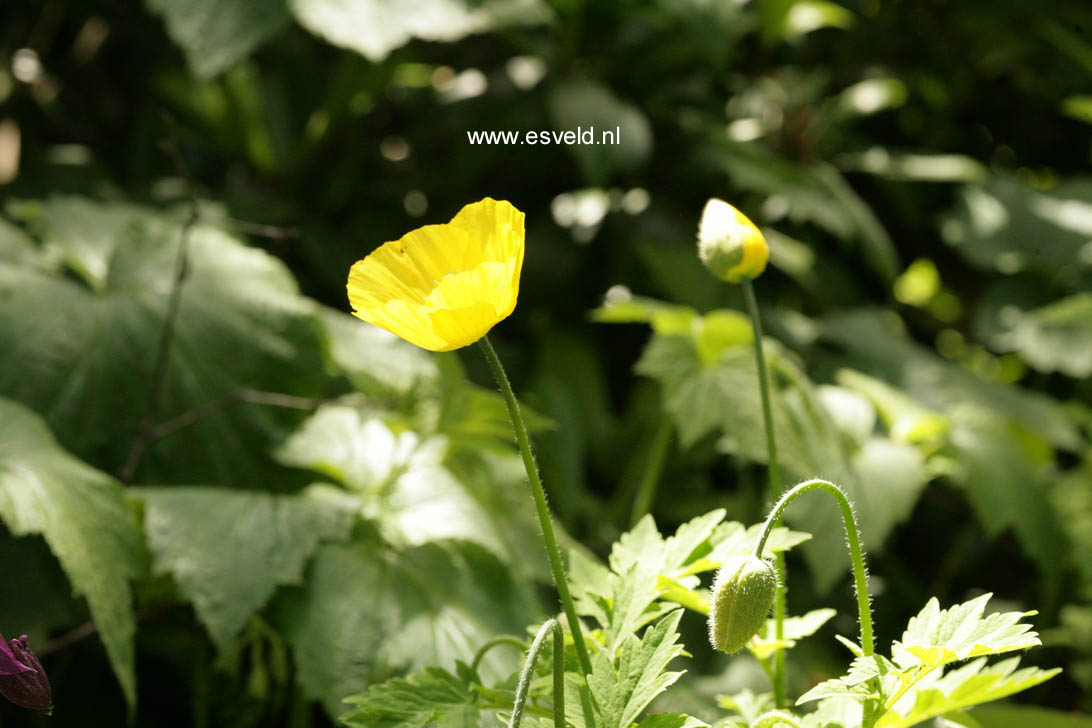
(743, 593)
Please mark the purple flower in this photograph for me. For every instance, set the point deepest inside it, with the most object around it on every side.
(22, 679)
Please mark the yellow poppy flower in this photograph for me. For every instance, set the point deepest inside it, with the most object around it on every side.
(729, 244)
(443, 287)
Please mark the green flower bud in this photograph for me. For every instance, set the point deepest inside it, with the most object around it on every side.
(743, 593)
(729, 244)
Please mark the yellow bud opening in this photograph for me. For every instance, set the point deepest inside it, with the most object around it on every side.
(729, 244)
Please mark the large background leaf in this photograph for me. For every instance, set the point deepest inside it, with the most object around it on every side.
(89, 317)
(84, 517)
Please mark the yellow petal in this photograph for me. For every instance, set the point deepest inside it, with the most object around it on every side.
(443, 287)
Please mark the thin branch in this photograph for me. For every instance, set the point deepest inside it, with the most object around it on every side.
(247, 396)
(273, 232)
(162, 355)
(89, 629)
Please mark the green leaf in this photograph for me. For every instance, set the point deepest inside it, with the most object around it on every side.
(915, 167)
(83, 516)
(624, 686)
(433, 697)
(1018, 716)
(1007, 488)
(708, 398)
(906, 419)
(852, 413)
(366, 610)
(89, 318)
(1007, 226)
(971, 684)
(764, 644)
(229, 550)
(671, 720)
(724, 396)
(1072, 497)
(374, 28)
(477, 418)
(747, 704)
(645, 568)
(786, 19)
(855, 684)
(404, 482)
(938, 636)
(877, 345)
(1056, 337)
(622, 307)
(835, 713)
(914, 687)
(375, 361)
(1079, 107)
(215, 34)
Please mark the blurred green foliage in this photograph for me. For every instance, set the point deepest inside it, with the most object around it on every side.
(298, 505)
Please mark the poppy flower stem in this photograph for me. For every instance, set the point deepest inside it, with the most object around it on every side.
(775, 487)
(528, 672)
(853, 537)
(539, 495)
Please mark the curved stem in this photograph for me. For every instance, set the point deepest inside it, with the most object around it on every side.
(528, 672)
(654, 468)
(496, 642)
(539, 495)
(774, 473)
(852, 536)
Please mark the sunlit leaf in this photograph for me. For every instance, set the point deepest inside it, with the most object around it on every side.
(1008, 227)
(1021, 716)
(229, 550)
(84, 517)
(971, 684)
(215, 34)
(374, 28)
(1055, 337)
(365, 610)
(430, 697)
(624, 686)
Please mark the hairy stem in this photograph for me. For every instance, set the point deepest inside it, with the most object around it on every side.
(774, 473)
(849, 520)
(764, 388)
(528, 672)
(654, 468)
(779, 610)
(539, 495)
(496, 642)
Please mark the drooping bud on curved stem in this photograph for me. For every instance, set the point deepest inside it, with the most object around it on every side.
(856, 555)
(528, 671)
(743, 593)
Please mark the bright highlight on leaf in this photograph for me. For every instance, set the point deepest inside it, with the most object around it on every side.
(443, 287)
